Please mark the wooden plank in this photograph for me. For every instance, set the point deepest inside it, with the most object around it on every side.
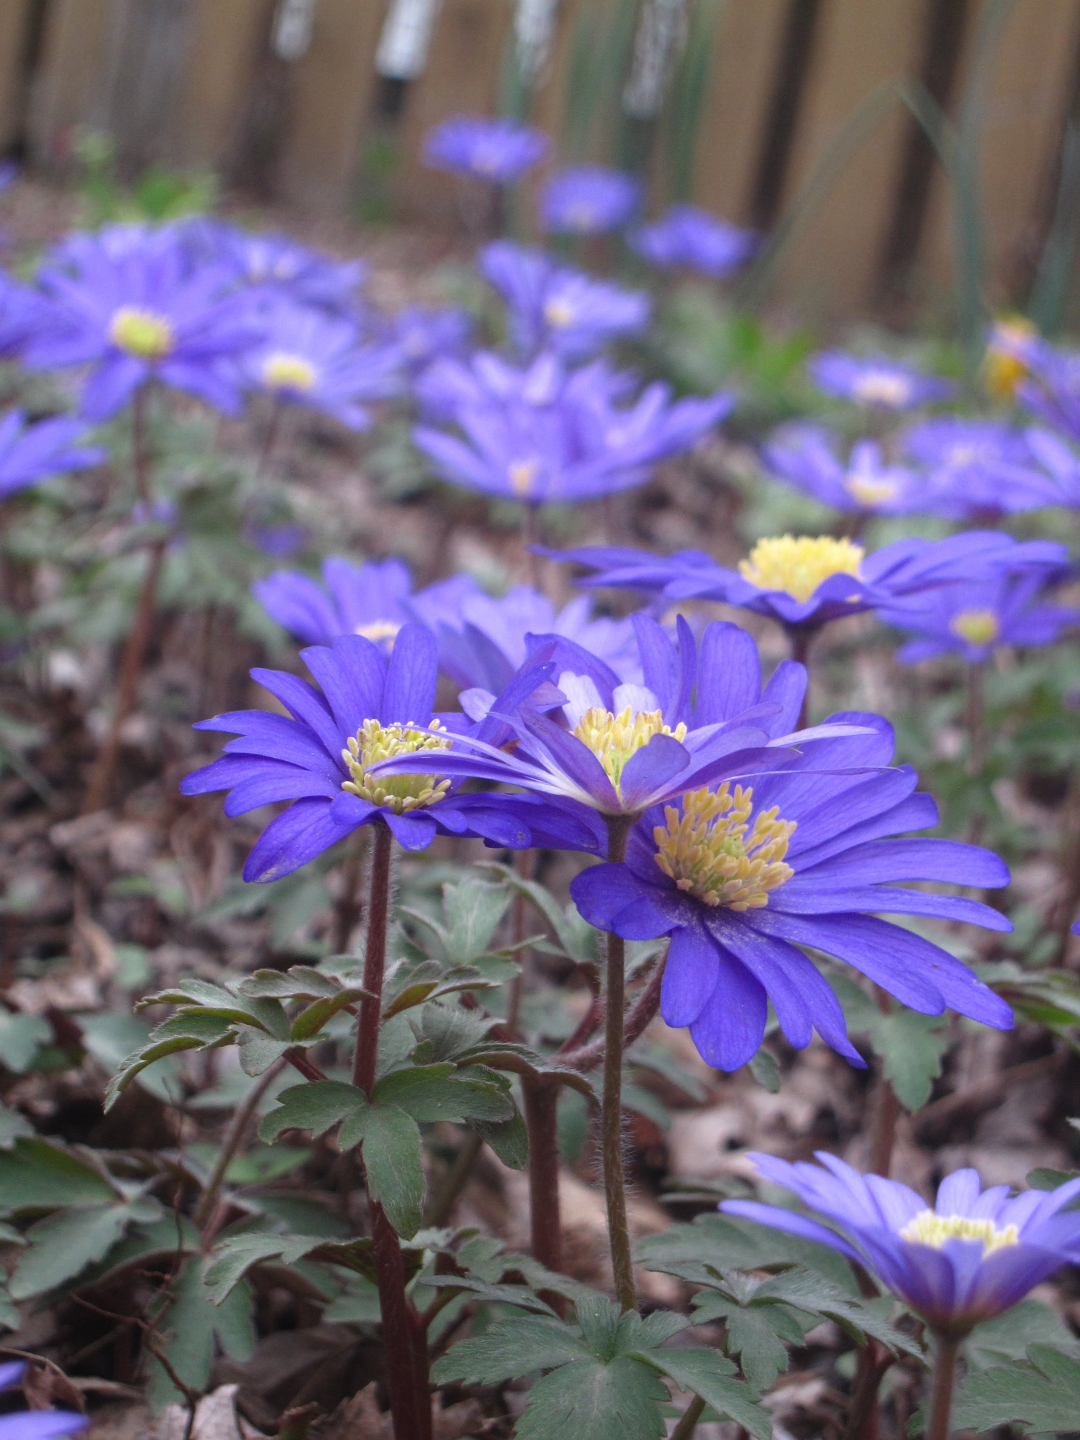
(68, 89)
(860, 49)
(220, 72)
(14, 19)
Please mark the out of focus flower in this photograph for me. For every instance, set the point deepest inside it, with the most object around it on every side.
(276, 266)
(588, 200)
(8, 174)
(806, 457)
(1008, 347)
(494, 150)
(423, 335)
(31, 453)
(875, 381)
(556, 307)
(974, 1254)
(545, 433)
(692, 239)
(20, 311)
(35, 1424)
(1051, 388)
(304, 357)
(981, 469)
(972, 619)
(125, 302)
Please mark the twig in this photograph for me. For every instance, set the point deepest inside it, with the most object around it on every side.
(203, 1214)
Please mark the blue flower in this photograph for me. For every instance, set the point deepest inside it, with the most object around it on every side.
(1052, 387)
(423, 335)
(35, 1424)
(875, 381)
(974, 1254)
(987, 468)
(494, 150)
(305, 357)
(743, 874)
(126, 302)
(31, 453)
(805, 456)
(277, 266)
(320, 756)
(589, 200)
(556, 307)
(21, 309)
(545, 433)
(973, 618)
(695, 240)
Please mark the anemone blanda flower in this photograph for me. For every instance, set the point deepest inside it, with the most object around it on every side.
(987, 468)
(305, 357)
(588, 200)
(31, 453)
(806, 457)
(875, 380)
(695, 240)
(804, 582)
(20, 310)
(972, 1255)
(1008, 349)
(320, 755)
(973, 618)
(546, 433)
(494, 150)
(126, 302)
(554, 306)
(35, 1424)
(1051, 388)
(422, 335)
(277, 266)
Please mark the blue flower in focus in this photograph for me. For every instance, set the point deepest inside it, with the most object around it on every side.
(972, 619)
(423, 335)
(555, 307)
(126, 302)
(588, 200)
(35, 1424)
(875, 381)
(692, 239)
(806, 457)
(546, 433)
(32, 453)
(494, 150)
(305, 357)
(321, 753)
(974, 1254)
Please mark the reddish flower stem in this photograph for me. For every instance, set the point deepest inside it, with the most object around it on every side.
(947, 1350)
(541, 1102)
(611, 1118)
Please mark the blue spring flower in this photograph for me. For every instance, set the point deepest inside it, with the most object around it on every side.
(692, 239)
(21, 310)
(556, 307)
(875, 381)
(35, 1424)
(805, 456)
(973, 618)
(422, 335)
(279, 267)
(320, 755)
(494, 150)
(1051, 389)
(31, 453)
(987, 468)
(589, 200)
(973, 1255)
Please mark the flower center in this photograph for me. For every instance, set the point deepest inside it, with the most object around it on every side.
(614, 738)
(379, 630)
(870, 492)
(882, 387)
(581, 215)
(142, 333)
(559, 313)
(522, 476)
(930, 1228)
(707, 851)
(282, 371)
(1005, 365)
(977, 627)
(374, 742)
(799, 565)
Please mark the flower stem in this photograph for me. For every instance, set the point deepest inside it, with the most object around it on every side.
(947, 1349)
(545, 1221)
(531, 536)
(800, 639)
(140, 452)
(367, 1029)
(688, 1420)
(611, 1136)
(975, 717)
(203, 1216)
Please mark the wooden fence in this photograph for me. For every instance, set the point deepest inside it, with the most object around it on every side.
(803, 116)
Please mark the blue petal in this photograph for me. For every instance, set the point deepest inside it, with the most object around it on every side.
(602, 892)
(305, 830)
(411, 678)
(729, 1030)
(351, 675)
(649, 771)
(729, 674)
(302, 701)
(413, 831)
(787, 1220)
(890, 860)
(690, 976)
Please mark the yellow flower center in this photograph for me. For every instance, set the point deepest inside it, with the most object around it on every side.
(282, 371)
(929, 1228)
(559, 313)
(141, 332)
(379, 630)
(614, 738)
(581, 216)
(799, 565)
(870, 492)
(882, 387)
(707, 851)
(977, 627)
(374, 742)
(1004, 369)
(522, 475)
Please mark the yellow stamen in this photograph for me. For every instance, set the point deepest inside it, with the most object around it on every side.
(882, 387)
(929, 1228)
(379, 630)
(374, 742)
(706, 849)
(281, 371)
(614, 738)
(142, 333)
(799, 565)
(559, 313)
(522, 475)
(1004, 366)
(870, 492)
(977, 627)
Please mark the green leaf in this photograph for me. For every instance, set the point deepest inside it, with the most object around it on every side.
(708, 1374)
(1045, 1179)
(508, 1138)
(36, 1175)
(395, 1173)
(758, 1335)
(111, 1036)
(235, 1255)
(436, 1092)
(258, 1051)
(9, 1312)
(310, 1021)
(510, 1349)
(62, 1245)
(194, 1030)
(810, 1292)
(449, 1032)
(299, 982)
(317, 1106)
(910, 1045)
(21, 1036)
(190, 1325)
(1042, 1395)
(13, 1126)
(594, 1400)
(765, 1071)
(725, 1242)
(1008, 1336)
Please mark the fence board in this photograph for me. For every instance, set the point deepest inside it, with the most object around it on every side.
(14, 20)
(219, 74)
(68, 87)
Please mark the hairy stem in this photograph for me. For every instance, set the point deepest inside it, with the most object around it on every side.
(367, 1030)
(688, 1420)
(541, 1102)
(800, 639)
(975, 719)
(531, 536)
(611, 1135)
(947, 1349)
(204, 1213)
(862, 1417)
(643, 1010)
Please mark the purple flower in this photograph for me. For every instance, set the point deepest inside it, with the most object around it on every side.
(975, 1254)
(31, 453)
(1052, 387)
(559, 308)
(987, 468)
(805, 456)
(21, 309)
(320, 756)
(694, 239)
(1009, 347)
(588, 200)
(280, 542)
(276, 266)
(545, 433)
(304, 357)
(424, 335)
(125, 302)
(971, 619)
(35, 1424)
(9, 172)
(875, 380)
(494, 150)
